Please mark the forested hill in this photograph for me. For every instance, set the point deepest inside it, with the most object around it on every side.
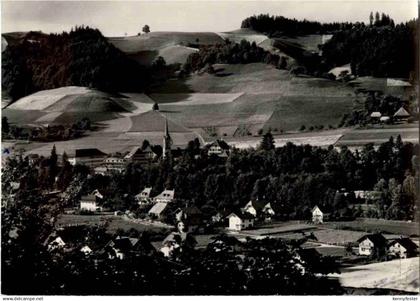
(279, 25)
(81, 57)
(380, 48)
(385, 50)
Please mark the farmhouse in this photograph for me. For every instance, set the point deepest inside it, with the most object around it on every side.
(401, 114)
(174, 240)
(189, 219)
(57, 243)
(240, 221)
(120, 247)
(375, 116)
(88, 156)
(219, 148)
(140, 156)
(317, 215)
(114, 163)
(144, 196)
(89, 203)
(249, 207)
(165, 196)
(86, 250)
(402, 247)
(372, 244)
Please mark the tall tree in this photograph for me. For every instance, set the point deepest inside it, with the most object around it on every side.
(267, 142)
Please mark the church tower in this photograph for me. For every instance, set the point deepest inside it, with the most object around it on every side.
(167, 140)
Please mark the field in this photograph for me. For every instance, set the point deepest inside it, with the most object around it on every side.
(172, 46)
(372, 225)
(381, 84)
(243, 34)
(397, 274)
(359, 137)
(113, 222)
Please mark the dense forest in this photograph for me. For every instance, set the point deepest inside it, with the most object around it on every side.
(384, 50)
(231, 53)
(279, 25)
(81, 57)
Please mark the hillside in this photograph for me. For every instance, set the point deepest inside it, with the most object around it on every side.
(268, 98)
(66, 105)
(174, 47)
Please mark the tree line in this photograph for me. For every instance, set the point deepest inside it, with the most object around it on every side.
(231, 53)
(293, 178)
(382, 49)
(279, 25)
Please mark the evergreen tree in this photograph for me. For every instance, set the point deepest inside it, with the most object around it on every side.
(267, 142)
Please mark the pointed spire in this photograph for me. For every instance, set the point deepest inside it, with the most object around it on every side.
(167, 140)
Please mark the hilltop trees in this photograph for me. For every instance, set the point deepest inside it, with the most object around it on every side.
(278, 25)
(382, 50)
(230, 53)
(81, 57)
(146, 29)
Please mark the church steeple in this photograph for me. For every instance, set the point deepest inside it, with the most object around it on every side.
(167, 140)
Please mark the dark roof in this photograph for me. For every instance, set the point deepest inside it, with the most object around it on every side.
(221, 143)
(89, 197)
(89, 152)
(377, 239)
(243, 215)
(191, 211)
(407, 243)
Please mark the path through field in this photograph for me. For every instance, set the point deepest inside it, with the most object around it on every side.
(399, 274)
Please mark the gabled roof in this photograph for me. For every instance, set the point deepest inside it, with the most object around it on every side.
(402, 113)
(158, 208)
(89, 152)
(88, 198)
(377, 239)
(316, 207)
(241, 215)
(145, 192)
(166, 194)
(221, 143)
(407, 243)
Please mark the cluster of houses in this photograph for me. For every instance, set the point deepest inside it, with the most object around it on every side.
(400, 115)
(377, 244)
(103, 163)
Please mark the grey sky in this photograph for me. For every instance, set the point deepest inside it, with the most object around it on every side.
(114, 18)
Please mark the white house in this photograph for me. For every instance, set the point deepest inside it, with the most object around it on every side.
(57, 243)
(317, 215)
(402, 247)
(219, 148)
(89, 156)
(88, 203)
(165, 196)
(86, 250)
(144, 196)
(250, 208)
(371, 243)
(240, 221)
